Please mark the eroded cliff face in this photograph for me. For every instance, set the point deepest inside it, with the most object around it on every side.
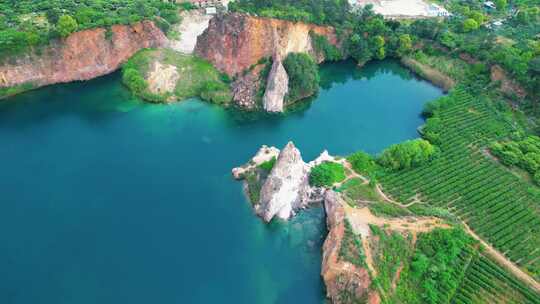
(81, 56)
(234, 42)
(345, 282)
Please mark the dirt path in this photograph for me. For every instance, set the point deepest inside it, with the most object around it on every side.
(361, 218)
(501, 259)
(351, 174)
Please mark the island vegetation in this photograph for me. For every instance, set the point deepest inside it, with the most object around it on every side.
(326, 174)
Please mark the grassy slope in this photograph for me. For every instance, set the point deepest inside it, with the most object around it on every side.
(197, 77)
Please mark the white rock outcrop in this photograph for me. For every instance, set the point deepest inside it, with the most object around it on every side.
(287, 187)
(277, 87)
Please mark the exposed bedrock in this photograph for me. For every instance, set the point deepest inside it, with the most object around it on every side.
(282, 189)
(277, 87)
(286, 188)
(234, 42)
(81, 56)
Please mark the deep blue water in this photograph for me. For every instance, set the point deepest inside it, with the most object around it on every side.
(105, 199)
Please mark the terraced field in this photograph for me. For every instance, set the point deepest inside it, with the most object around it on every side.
(484, 281)
(494, 202)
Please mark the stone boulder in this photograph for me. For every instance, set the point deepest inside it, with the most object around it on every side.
(277, 87)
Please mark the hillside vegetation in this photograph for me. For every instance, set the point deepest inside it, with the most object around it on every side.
(30, 23)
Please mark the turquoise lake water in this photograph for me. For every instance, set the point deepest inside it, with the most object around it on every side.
(105, 199)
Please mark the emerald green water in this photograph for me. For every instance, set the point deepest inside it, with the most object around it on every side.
(105, 199)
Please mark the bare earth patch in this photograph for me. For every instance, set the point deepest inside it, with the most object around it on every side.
(162, 78)
(403, 8)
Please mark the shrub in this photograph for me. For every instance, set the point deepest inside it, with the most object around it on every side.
(134, 80)
(268, 165)
(388, 210)
(321, 44)
(326, 174)
(522, 152)
(432, 130)
(303, 76)
(432, 107)
(362, 162)
(470, 25)
(407, 155)
(66, 25)
(536, 178)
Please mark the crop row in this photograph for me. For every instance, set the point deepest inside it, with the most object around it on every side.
(465, 179)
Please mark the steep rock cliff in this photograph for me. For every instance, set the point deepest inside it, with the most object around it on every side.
(234, 42)
(81, 56)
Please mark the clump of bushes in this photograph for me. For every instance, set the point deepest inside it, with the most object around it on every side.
(268, 165)
(432, 107)
(322, 45)
(326, 174)
(388, 210)
(134, 81)
(408, 154)
(303, 74)
(523, 153)
(362, 163)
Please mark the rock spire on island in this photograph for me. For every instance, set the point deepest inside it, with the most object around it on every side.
(287, 186)
(277, 182)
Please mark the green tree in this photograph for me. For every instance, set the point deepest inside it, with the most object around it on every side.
(303, 75)
(405, 44)
(66, 25)
(408, 154)
(362, 162)
(326, 174)
(477, 16)
(470, 25)
(134, 81)
(501, 4)
(378, 45)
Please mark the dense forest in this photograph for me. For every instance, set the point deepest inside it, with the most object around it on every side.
(29, 23)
